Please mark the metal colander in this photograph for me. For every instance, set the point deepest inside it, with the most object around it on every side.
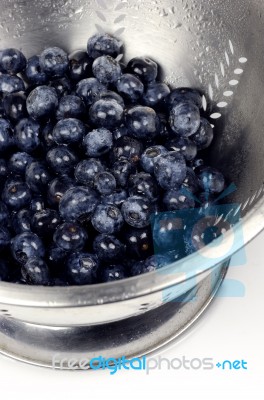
(213, 45)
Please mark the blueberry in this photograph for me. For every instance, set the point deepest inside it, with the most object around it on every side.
(143, 67)
(139, 242)
(108, 95)
(182, 95)
(136, 211)
(206, 200)
(78, 203)
(4, 171)
(11, 84)
(127, 148)
(108, 247)
(119, 132)
(104, 44)
(178, 200)
(130, 87)
(21, 221)
(27, 135)
(45, 222)
(4, 214)
(70, 236)
(56, 257)
(26, 246)
(143, 184)
(36, 272)
(47, 137)
(82, 268)
(15, 106)
(164, 128)
(203, 233)
(105, 183)
(18, 163)
(121, 170)
(170, 170)
(34, 73)
(116, 198)
(69, 131)
(80, 65)
(70, 107)
(211, 180)
(151, 264)
(98, 142)
(42, 102)
(142, 122)
(4, 237)
(2, 111)
(12, 61)
(183, 145)
(59, 281)
(62, 160)
(167, 234)
(158, 261)
(113, 273)
(16, 194)
(155, 94)
(107, 219)
(4, 271)
(106, 69)
(204, 136)
(86, 171)
(57, 188)
(150, 156)
(37, 204)
(62, 86)
(106, 114)
(197, 164)
(6, 135)
(185, 119)
(191, 182)
(54, 61)
(38, 177)
(90, 90)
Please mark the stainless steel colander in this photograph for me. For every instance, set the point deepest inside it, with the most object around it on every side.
(214, 45)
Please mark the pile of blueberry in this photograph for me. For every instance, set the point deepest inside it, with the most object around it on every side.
(90, 149)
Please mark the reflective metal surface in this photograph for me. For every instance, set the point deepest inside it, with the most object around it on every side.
(48, 346)
(214, 45)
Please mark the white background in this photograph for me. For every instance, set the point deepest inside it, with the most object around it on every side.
(232, 329)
